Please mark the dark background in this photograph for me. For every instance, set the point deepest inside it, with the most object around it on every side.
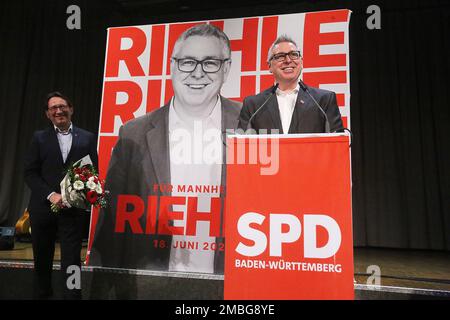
(399, 104)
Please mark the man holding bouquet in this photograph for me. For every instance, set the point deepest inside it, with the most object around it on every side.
(51, 153)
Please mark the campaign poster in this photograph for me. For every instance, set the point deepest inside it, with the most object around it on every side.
(167, 180)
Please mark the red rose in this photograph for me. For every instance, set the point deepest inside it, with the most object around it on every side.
(82, 178)
(91, 196)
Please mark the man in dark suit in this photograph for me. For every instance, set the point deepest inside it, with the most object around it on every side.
(144, 157)
(288, 107)
(51, 152)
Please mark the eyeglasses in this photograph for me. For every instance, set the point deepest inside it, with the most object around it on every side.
(293, 55)
(208, 65)
(63, 107)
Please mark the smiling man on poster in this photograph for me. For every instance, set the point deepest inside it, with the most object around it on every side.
(159, 155)
(290, 106)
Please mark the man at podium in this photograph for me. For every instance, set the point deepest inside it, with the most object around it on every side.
(290, 106)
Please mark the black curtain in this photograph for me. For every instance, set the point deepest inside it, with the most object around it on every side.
(400, 117)
(39, 54)
(399, 104)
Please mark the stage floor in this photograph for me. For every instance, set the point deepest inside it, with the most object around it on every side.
(399, 268)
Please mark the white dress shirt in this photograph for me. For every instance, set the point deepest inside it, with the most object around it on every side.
(64, 140)
(65, 143)
(192, 163)
(286, 104)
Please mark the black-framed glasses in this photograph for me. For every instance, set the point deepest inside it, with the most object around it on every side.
(208, 65)
(63, 107)
(293, 55)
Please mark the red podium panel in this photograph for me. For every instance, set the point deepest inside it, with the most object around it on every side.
(288, 223)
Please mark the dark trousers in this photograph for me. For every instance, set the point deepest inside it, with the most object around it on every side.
(45, 226)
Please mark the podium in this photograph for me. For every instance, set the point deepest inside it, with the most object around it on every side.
(288, 223)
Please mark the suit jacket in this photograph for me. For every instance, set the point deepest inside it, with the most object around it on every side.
(139, 160)
(307, 118)
(44, 165)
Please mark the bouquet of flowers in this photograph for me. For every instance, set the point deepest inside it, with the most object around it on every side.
(81, 187)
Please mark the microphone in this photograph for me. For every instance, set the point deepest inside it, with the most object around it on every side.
(272, 92)
(327, 122)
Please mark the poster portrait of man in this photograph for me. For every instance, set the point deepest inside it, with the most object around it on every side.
(157, 160)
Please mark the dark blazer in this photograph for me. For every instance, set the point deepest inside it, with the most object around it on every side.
(307, 118)
(139, 160)
(44, 166)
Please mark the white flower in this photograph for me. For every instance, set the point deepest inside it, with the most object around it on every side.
(91, 184)
(91, 178)
(77, 176)
(99, 189)
(73, 195)
(78, 185)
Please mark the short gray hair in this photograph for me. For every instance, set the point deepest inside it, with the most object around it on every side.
(205, 30)
(280, 39)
